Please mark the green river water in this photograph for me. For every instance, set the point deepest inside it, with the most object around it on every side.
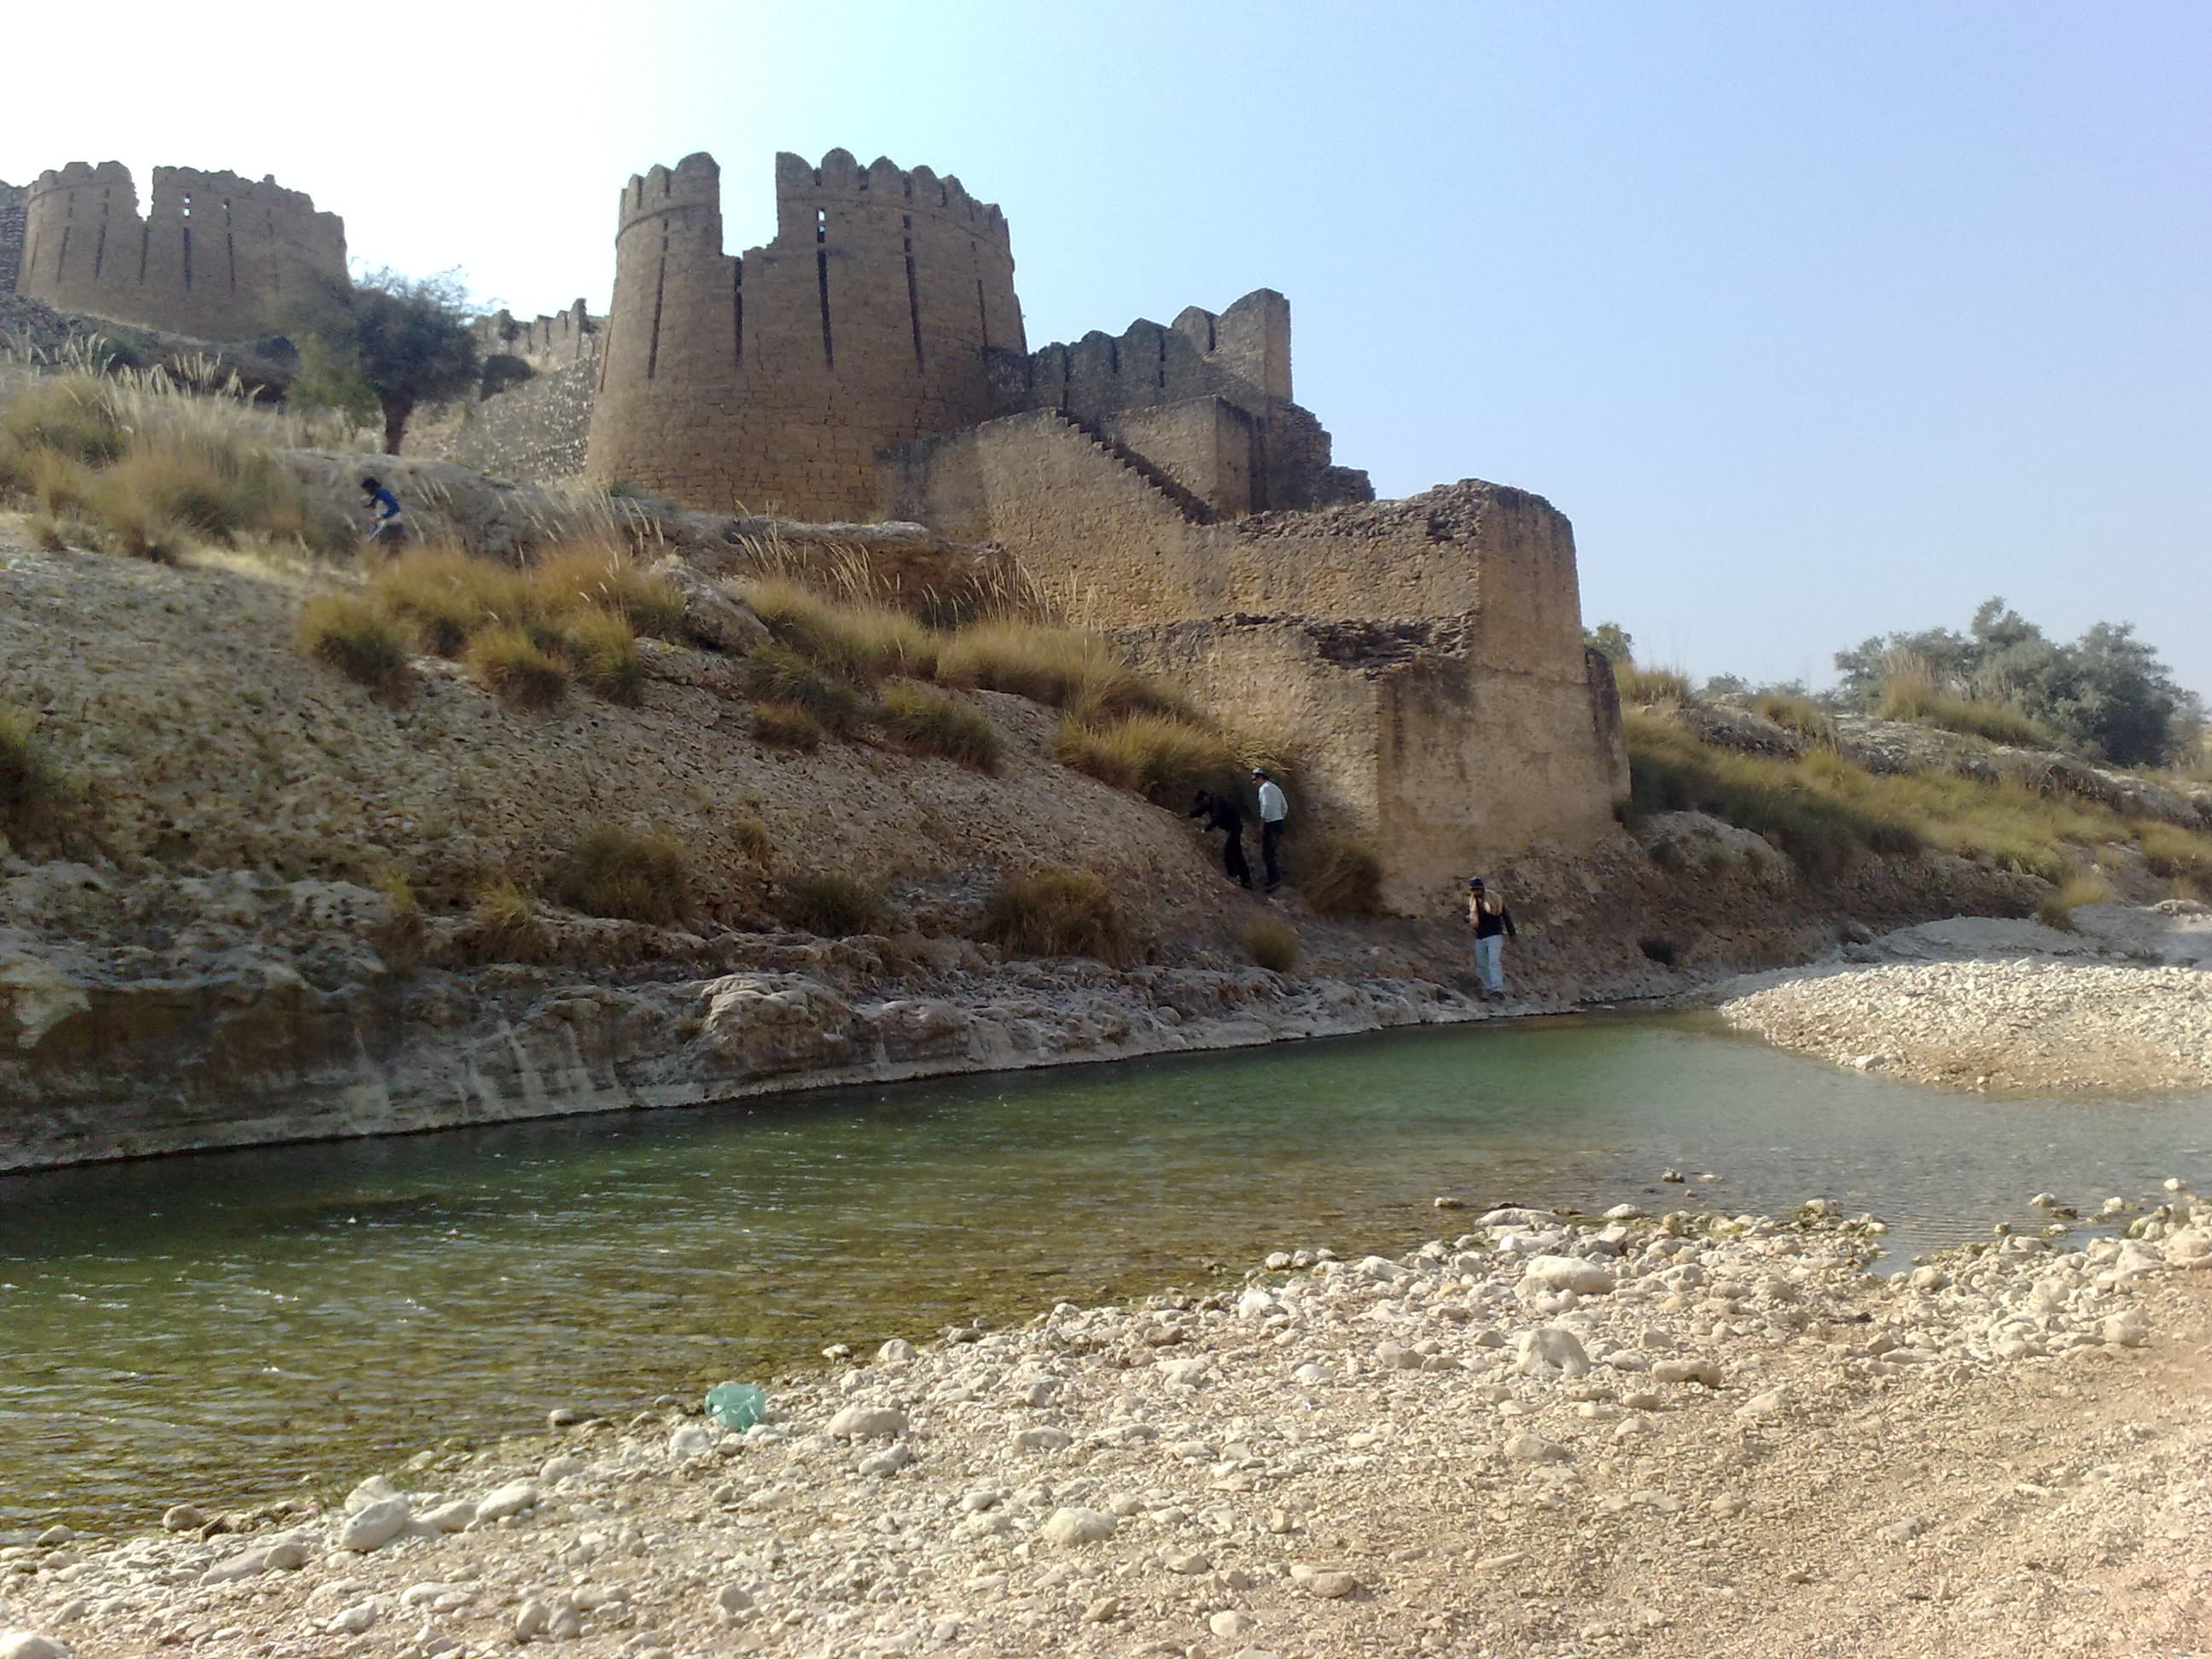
(224, 1326)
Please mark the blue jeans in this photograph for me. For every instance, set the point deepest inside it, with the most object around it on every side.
(1490, 962)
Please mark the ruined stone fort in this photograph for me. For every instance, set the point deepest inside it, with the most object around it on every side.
(870, 362)
(213, 256)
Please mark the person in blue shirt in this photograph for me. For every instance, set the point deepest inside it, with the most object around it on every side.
(386, 528)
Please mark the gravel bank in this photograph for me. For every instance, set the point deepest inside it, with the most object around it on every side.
(2124, 1004)
(1667, 1437)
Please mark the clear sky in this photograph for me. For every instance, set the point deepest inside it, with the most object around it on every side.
(1818, 319)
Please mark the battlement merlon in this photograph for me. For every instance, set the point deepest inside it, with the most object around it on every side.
(803, 191)
(1242, 353)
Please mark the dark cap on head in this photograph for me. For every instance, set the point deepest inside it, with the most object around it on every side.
(1476, 884)
(372, 484)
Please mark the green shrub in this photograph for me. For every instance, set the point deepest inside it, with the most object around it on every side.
(833, 905)
(926, 722)
(515, 668)
(1270, 944)
(2176, 854)
(1057, 912)
(1913, 688)
(1339, 875)
(616, 871)
(1166, 758)
(357, 636)
(786, 725)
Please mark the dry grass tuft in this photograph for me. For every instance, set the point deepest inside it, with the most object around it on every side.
(1270, 944)
(605, 577)
(750, 838)
(1164, 757)
(1339, 875)
(31, 791)
(356, 636)
(2085, 887)
(504, 927)
(1057, 912)
(603, 652)
(516, 669)
(1800, 714)
(833, 905)
(1912, 689)
(780, 675)
(854, 641)
(786, 725)
(926, 722)
(626, 873)
(1659, 688)
(1063, 666)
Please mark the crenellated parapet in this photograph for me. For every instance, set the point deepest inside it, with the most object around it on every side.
(215, 254)
(771, 380)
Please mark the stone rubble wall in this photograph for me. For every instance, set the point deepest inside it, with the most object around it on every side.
(534, 432)
(215, 255)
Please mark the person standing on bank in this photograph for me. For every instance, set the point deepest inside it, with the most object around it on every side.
(1493, 925)
(1222, 813)
(1274, 808)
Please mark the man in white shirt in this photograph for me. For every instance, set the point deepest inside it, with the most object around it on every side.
(1273, 810)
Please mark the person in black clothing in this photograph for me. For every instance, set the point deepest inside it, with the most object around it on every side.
(1493, 925)
(1222, 813)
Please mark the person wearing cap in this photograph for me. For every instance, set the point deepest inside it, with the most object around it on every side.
(1493, 925)
(1274, 808)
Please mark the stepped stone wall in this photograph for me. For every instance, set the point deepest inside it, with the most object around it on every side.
(215, 256)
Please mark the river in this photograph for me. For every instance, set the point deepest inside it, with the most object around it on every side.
(236, 1327)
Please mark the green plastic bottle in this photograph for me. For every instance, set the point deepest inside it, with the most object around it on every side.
(737, 1405)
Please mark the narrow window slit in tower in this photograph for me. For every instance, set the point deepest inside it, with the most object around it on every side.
(982, 315)
(820, 226)
(822, 283)
(1113, 358)
(61, 253)
(230, 253)
(1163, 380)
(913, 295)
(100, 251)
(659, 288)
(188, 258)
(1209, 335)
(737, 314)
(145, 245)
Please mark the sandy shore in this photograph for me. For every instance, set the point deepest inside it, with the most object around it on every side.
(2123, 1002)
(1667, 1436)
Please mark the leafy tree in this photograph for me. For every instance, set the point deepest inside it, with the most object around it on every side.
(389, 343)
(2107, 692)
(1610, 640)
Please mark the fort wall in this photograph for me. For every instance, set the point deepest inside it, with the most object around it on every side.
(1241, 357)
(770, 381)
(14, 207)
(215, 255)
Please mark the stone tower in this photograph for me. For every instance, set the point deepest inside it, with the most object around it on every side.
(770, 382)
(215, 255)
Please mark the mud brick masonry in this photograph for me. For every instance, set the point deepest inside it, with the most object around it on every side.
(213, 256)
(1424, 655)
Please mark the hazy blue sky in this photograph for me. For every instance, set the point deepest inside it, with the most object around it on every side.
(1817, 320)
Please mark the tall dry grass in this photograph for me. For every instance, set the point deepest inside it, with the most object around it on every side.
(153, 466)
(1914, 690)
(1058, 912)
